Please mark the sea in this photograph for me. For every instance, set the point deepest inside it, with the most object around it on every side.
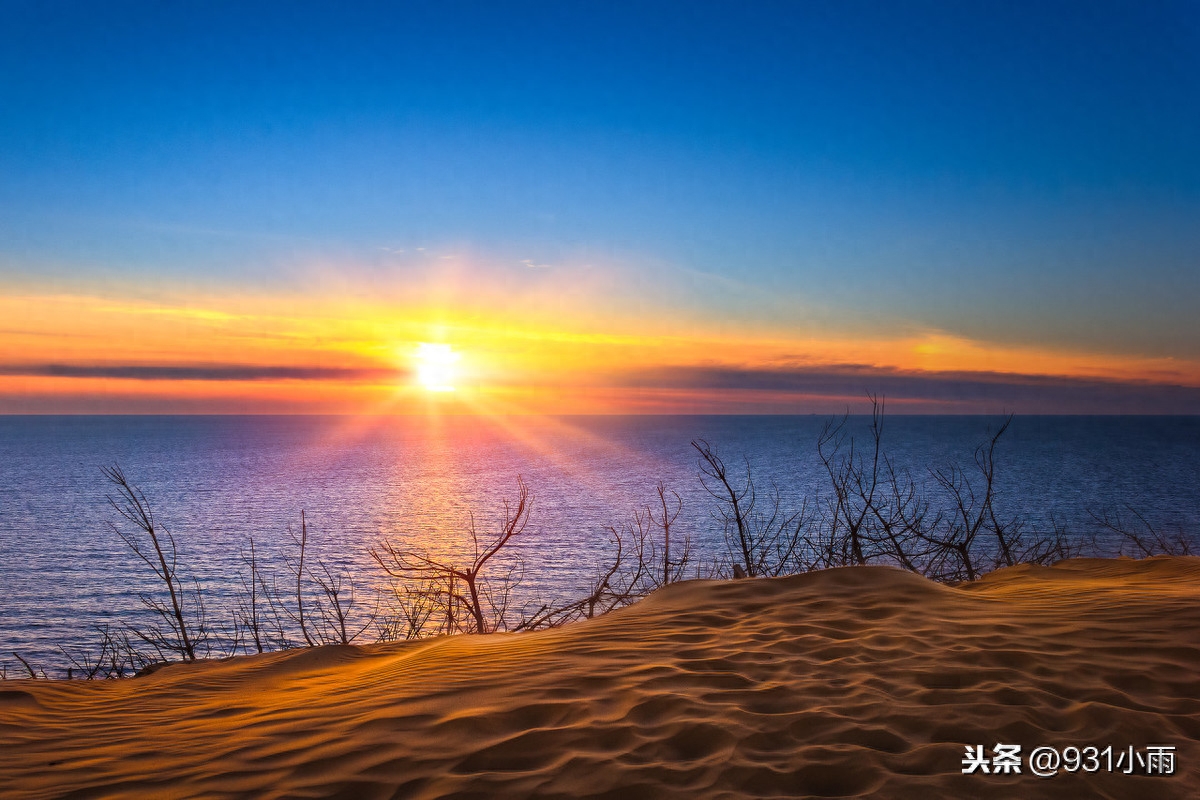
(422, 483)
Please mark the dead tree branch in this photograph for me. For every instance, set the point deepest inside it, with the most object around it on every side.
(184, 631)
(470, 602)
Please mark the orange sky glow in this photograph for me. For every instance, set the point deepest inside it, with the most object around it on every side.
(305, 354)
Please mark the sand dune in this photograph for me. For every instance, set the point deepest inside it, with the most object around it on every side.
(846, 683)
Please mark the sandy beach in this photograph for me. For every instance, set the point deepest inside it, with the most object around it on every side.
(852, 682)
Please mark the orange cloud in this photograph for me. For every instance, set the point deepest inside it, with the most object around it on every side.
(351, 354)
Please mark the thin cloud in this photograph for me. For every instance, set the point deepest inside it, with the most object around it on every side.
(205, 372)
(1023, 393)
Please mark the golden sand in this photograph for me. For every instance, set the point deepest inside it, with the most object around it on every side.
(852, 682)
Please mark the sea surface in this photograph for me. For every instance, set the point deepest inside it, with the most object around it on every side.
(216, 482)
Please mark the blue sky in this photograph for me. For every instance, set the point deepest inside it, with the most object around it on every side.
(1017, 174)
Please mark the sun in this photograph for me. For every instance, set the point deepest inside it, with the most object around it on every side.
(435, 367)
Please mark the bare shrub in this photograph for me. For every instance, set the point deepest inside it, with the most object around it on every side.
(617, 583)
(327, 607)
(33, 673)
(337, 620)
(973, 537)
(182, 627)
(663, 518)
(257, 611)
(468, 599)
(298, 572)
(958, 554)
(762, 539)
(407, 616)
(1139, 538)
(875, 511)
(635, 567)
(116, 656)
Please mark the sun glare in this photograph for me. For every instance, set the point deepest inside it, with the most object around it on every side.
(435, 367)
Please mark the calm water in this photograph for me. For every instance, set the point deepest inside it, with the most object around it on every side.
(216, 481)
